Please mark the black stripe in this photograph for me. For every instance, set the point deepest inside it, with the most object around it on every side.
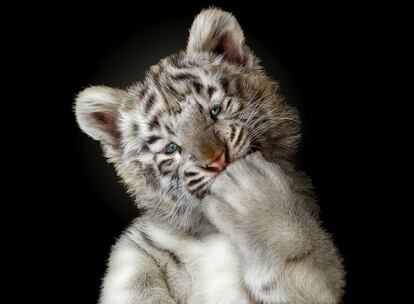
(177, 60)
(184, 76)
(144, 148)
(228, 104)
(154, 123)
(165, 163)
(224, 82)
(200, 107)
(166, 172)
(232, 133)
(174, 258)
(135, 129)
(238, 84)
(198, 188)
(177, 109)
(146, 238)
(169, 130)
(149, 103)
(202, 194)
(175, 176)
(197, 86)
(171, 90)
(152, 139)
(238, 138)
(210, 91)
(142, 93)
(190, 173)
(200, 191)
(195, 181)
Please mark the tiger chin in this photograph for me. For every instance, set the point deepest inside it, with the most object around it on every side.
(203, 144)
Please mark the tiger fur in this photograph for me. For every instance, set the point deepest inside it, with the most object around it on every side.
(249, 233)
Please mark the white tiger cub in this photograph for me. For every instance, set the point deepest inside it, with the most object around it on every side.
(203, 144)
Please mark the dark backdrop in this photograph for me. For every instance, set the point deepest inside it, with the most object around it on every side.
(321, 55)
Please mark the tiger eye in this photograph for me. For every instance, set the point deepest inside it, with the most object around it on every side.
(171, 148)
(215, 111)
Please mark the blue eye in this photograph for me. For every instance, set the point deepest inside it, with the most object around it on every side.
(215, 111)
(171, 148)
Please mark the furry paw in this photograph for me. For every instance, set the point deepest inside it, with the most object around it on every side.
(247, 189)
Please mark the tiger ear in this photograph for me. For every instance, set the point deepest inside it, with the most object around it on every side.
(216, 31)
(96, 110)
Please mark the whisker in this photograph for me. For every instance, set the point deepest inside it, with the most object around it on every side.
(248, 103)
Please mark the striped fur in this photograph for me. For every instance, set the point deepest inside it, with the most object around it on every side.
(172, 105)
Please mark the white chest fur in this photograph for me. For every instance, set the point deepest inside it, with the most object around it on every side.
(211, 265)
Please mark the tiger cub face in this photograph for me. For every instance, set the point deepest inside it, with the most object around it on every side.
(194, 113)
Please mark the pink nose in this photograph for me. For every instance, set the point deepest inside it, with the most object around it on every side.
(219, 164)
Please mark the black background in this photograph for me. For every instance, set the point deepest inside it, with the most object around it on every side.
(323, 56)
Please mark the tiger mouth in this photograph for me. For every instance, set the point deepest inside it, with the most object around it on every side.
(215, 172)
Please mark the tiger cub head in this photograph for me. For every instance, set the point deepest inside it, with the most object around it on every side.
(195, 112)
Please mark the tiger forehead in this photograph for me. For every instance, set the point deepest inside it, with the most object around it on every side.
(181, 74)
(179, 83)
(168, 89)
